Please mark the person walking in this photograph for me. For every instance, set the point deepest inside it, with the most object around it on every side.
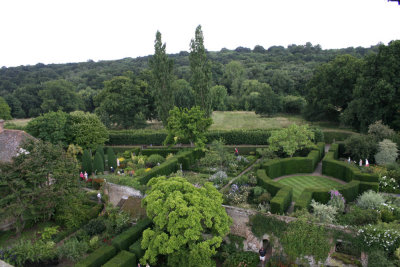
(81, 175)
(262, 253)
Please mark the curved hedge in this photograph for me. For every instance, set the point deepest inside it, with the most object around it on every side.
(98, 257)
(329, 136)
(127, 238)
(123, 259)
(280, 167)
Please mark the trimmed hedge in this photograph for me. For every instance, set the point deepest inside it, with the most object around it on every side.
(338, 136)
(136, 137)
(186, 158)
(161, 151)
(136, 249)
(344, 171)
(304, 200)
(123, 259)
(365, 186)
(282, 200)
(350, 191)
(98, 257)
(127, 238)
(335, 149)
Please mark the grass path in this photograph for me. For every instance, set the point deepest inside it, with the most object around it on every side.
(299, 183)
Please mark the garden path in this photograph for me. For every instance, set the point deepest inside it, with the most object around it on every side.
(240, 174)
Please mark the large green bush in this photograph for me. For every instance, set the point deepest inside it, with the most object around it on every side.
(98, 257)
(123, 259)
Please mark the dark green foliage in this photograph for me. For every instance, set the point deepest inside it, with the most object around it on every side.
(136, 137)
(154, 159)
(98, 163)
(365, 186)
(249, 258)
(100, 149)
(350, 191)
(361, 147)
(379, 258)
(98, 257)
(160, 151)
(335, 149)
(304, 200)
(262, 224)
(127, 238)
(95, 227)
(282, 200)
(87, 162)
(122, 259)
(330, 136)
(136, 249)
(111, 158)
(5, 110)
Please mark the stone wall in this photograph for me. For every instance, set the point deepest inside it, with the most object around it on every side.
(116, 193)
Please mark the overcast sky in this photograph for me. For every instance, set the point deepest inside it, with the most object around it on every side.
(61, 31)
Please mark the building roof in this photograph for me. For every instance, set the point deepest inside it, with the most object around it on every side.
(10, 142)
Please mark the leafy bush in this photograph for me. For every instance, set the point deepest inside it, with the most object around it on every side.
(358, 216)
(72, 249)
(370, 200)
(379, 258)
(360, 147)
(238, 195)
(380, 131)
(25, 251)
(95, 227)
(242, 258)
(337, 200)
(154, 159)
(380, 236)
(324, 213)
(387, 152)
(388, 185)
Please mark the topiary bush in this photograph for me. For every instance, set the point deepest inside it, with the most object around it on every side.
(154, 160)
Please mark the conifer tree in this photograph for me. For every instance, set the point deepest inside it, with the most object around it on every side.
(100, 149)
(162, 76)
(200, 68)
(98, 164)
(112, 160)
(87, 162)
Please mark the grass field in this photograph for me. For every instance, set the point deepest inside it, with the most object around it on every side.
(299, 183)
(228, 120)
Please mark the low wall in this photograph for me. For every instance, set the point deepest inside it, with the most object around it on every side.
(117, 192)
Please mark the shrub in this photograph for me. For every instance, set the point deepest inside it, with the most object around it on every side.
(136, 249)
(379, 258)
(358, 216)
(154, 159)
(124, 240)
(388, 185)
(387, 152)
(282, 200)
(360, 147)
(337, 200)
(111, 158)
(324, 213)
(123, 259)
(95, 227)
(370, 200)
(242, 258)
(98, 257)
(87, 162)
(98, 163)
(380, 131)
(72, 249)
(381, 236)
(39, 252)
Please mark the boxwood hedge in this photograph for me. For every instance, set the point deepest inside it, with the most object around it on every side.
(128, 237)
(98, 257)
(123, 259)
(136, 249)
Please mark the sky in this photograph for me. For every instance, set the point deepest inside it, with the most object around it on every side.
(64, 31)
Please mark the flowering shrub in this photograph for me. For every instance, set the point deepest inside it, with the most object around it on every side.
(388, 185)
(238, 195)
(381, 236)
(337, 200)
(218, 177)
(324, 213)
(370, 200)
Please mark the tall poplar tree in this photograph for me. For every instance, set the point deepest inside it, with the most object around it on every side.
(162, 76)
(200, 69)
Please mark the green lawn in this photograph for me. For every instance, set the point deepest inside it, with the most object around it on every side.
(228, 120)
(299, 183)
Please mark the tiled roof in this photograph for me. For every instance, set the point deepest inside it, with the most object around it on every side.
(10, 141)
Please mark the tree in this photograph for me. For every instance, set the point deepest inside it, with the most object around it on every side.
(15, 106)
(40, 177)
(267, 103)
(49, 127)
(331, 88)
(87, 95)
(5, 111)
(189, 222)
(85, 129)
(188, 125)
(122, 102)
(58, 95)
(218, 97)
(162, 76)
(183, 94)
(87, 165)
(111, 158)
(98, 163)
(387, 152)
(360, 146)
(200, 69)
(380, 131)
(29, 97)
(234, 75)
(291, 139)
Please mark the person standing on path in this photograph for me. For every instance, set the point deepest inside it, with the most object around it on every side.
(262, 253)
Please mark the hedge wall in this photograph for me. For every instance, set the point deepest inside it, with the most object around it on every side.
(365, 186)
(136, 249)
(338, 136)
(98, 257)
(344, 171)
(161, 151)
(282, 200)
(147, 137)
(304, 200)
(127, 238)
(123, 259)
